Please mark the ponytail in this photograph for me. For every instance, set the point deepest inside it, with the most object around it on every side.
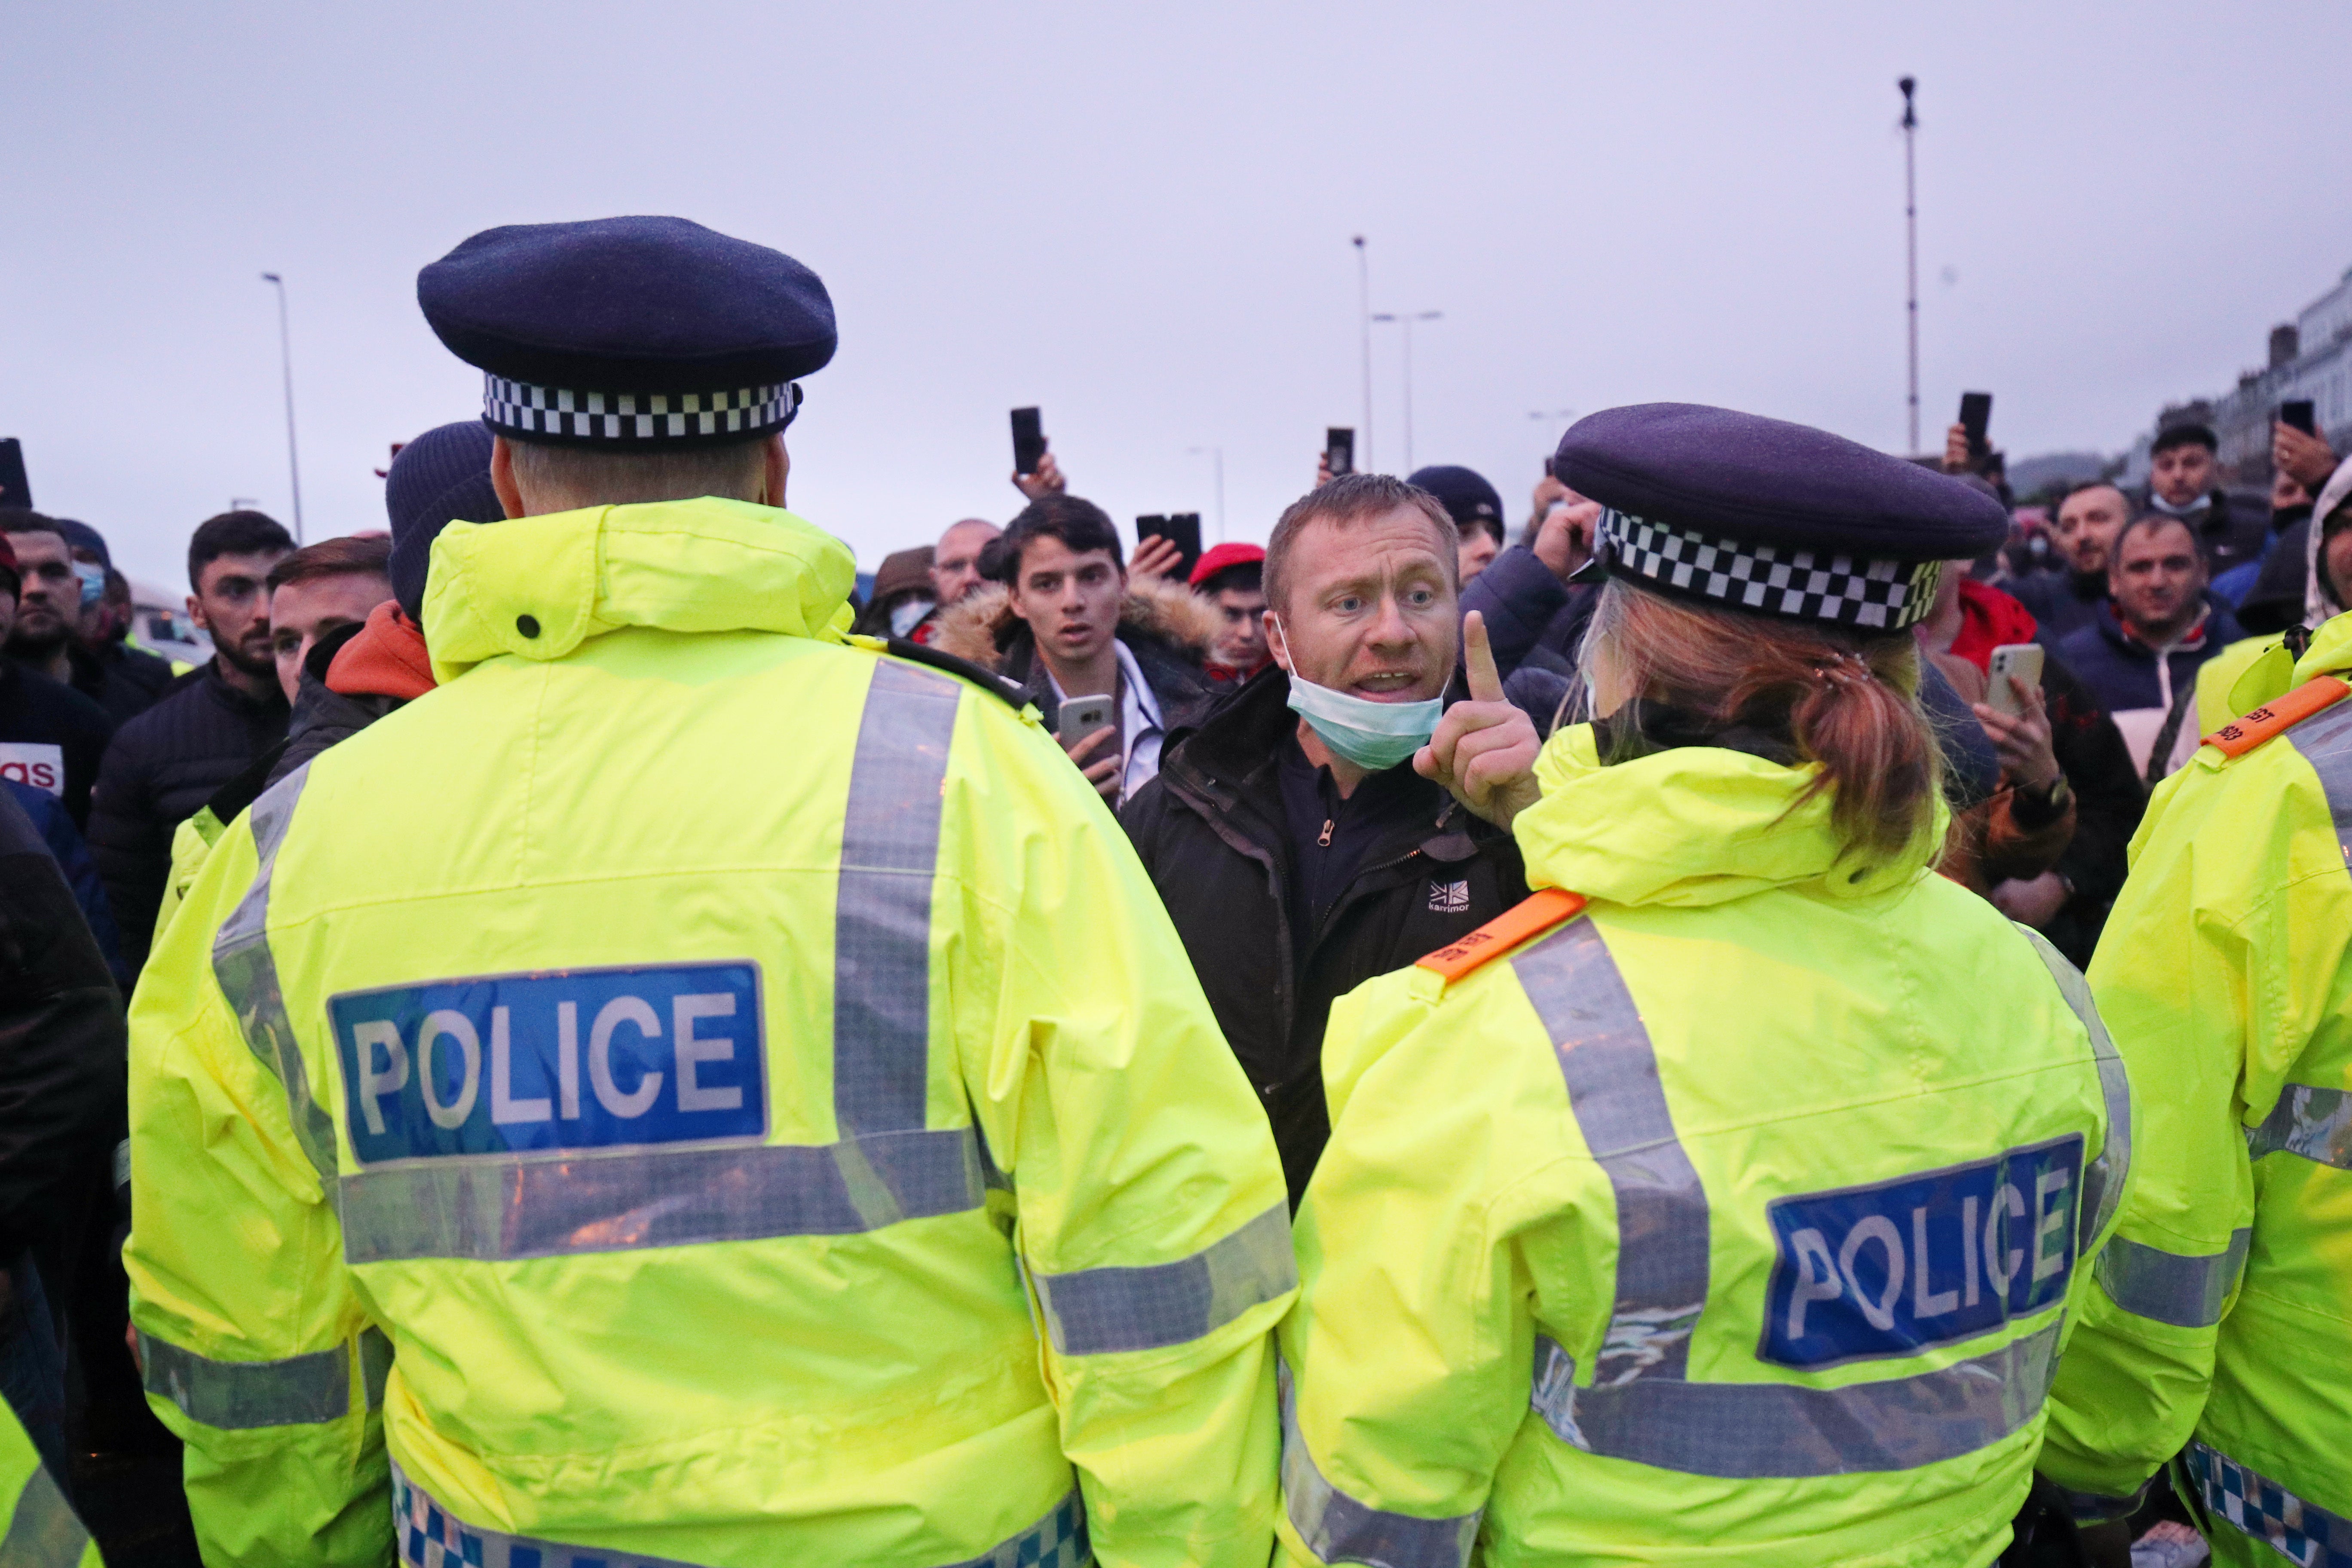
(1849, 703)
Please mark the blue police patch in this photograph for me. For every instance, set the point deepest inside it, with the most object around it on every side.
(584, 1058)
(1890, 1269)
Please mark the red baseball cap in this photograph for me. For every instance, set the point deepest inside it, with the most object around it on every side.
(1223, 558)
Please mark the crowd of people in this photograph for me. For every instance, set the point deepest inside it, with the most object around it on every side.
(1684, 744)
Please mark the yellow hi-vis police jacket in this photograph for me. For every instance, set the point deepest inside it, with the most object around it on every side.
(693, 1089)
(2224, 1309)
(1736, 1218)
(38, 1529)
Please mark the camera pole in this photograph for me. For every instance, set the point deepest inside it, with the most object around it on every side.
(1911, 244)
(1364, 322)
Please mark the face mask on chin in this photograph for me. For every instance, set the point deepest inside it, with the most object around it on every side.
(1374, 736)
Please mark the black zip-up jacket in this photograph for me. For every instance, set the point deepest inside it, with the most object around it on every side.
(162, 767)
(124, 680)
(1212, 832)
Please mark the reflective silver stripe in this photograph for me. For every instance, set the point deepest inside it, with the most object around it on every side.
(2325, 741)
(2315, 1124)
(2168, 1287)
(1613, 1086)
(501, 1206)
(2304, 1532)
(1095, 1311)
(1750, 1431)
(234, 1395)
(2103, 1184)
(428, 1536)
(1338, 1529)
(42, 1529)
(882, 915)
(247, 972)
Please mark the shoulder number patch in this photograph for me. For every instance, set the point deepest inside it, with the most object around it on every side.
(2242, 735)
(1541, 912)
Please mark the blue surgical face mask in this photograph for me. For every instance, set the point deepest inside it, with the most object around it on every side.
(93, 582)
(1375, 736)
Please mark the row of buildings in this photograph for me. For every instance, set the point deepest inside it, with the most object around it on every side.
(2309, 357)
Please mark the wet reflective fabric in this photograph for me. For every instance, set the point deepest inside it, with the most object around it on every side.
(1621, 1107)
(1755, 1430)
(237, 1395)
(1098, 1311)
(2186, 1291)
(429, 1536)
(1338, 1529)
(2315, 1124)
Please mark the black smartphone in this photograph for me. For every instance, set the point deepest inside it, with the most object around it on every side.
(2296, 412)
(1180, 529)
(14, 488)
(1976, 413)
(1028, 440)
(1339, 449)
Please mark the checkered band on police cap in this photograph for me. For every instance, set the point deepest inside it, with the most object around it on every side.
(1868, 593)
(638, 421)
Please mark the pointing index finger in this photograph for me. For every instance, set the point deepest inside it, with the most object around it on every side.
(1478, 660)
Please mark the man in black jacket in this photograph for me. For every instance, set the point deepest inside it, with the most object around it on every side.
(167, 762)
(51, 736)
(1325, 826)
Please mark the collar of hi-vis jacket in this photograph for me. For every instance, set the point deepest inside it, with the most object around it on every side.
(1692, 825)
(538, 587)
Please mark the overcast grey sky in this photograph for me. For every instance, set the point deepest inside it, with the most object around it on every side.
(1139, 218)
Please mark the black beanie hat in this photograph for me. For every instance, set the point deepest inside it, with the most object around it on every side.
(442, 477)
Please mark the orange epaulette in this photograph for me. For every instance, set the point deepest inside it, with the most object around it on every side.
(1543, 910)
(2242, 735)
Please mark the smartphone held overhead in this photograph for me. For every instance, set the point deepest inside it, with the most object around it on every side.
(2299, 414)
(1028, 440)
(1182, 529)
(1339, 449)
(1975, 415)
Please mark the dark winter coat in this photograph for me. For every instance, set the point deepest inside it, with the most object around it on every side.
(1532, 617)
(2124, 673)
(1213, 833)
(162, 766)
(122, 679)
(51, 736)
(62, 1047)
(2063, 603)
(2230, 529)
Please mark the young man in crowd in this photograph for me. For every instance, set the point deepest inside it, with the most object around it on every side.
(320, 589)
(2063, 601)
(51, 736)
(166, 763)
(1232, 578)
(1477, 509)
(1298, 845)
(2142, 651)
(2181, 482)
(1072, 624)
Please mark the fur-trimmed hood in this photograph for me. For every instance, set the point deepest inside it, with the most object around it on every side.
(982, 626)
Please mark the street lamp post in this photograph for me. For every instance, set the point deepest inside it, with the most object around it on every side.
(1911, 244)
(1364, 322)
(286, 364)
(1217, 458)
(1406, 321)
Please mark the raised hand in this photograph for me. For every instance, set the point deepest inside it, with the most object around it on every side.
(1484, 750)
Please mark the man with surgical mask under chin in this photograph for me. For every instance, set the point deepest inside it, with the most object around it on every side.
(1348, 810)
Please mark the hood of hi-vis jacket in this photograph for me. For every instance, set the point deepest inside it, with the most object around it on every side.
(1696, 1227)
(1692, 826)
(2225, 973)
(694, 1086)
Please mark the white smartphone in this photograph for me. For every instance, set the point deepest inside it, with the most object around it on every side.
(2021, 659)
(1082, 716)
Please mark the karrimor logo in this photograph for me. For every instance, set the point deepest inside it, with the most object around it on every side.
(1449, 897)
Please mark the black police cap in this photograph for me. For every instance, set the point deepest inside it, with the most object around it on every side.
(1759, 515)
(630, 333)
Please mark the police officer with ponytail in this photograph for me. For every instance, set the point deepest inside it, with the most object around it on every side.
(1728, 1199)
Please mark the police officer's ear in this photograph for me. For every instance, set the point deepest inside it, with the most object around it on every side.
(502, 478)
(777, 467)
